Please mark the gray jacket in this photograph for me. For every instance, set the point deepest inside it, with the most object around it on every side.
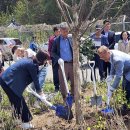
(120, 66)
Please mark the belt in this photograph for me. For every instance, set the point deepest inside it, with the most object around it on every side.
(68, 61)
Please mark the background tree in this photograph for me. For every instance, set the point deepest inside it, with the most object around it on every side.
(47, 11)
(7, 5)
(19, 12)
(52, 14)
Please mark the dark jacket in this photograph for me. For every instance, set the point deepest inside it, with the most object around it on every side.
(51, 40)
(111, 39)
(55, 53)
(21, 74)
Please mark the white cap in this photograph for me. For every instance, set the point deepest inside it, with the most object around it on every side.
(30, 52)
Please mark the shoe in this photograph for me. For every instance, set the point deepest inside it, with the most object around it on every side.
(0, 98)
(102, 79)
(56, 89)
(123, 110)
(26, 126)
(37, 104)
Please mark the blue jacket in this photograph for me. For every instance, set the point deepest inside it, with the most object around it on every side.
(33, 46)
(120, 66)
(110, 41)
(21, 74)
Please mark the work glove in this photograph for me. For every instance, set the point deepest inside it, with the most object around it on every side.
(42, 97)
(60, 61)
(109, 94)
(109, 78)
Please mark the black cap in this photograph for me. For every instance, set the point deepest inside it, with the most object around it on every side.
(106, 21)
(98, 26)
(42, 56)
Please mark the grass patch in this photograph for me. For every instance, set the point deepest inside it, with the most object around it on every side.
(49, 87)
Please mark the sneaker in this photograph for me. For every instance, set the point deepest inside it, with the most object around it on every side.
(26, 126)
(56, 89)
(37, 104)
(0, 98)
(123, 110)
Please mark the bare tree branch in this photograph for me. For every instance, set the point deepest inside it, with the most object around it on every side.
(65, 4)
(92, 9)
(69, 14)
(73, 2)
(75, 14)
(81, 4)
(120, 9)
(63, 12)
(81, 11)
(106, 9)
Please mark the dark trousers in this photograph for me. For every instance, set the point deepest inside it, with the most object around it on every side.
(106, 69)
(126, 88)
(55, 74)
(18, 103)
(69, 76)
(99, 65)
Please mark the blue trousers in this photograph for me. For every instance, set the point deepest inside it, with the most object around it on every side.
(18, 103)
(41, 76)
(126, 88)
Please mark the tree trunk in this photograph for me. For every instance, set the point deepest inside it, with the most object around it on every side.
(77, 84)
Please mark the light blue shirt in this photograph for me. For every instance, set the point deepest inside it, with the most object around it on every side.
(106, 34)
(65, 49)
(104, 39)
(33, 46)
(120, 66)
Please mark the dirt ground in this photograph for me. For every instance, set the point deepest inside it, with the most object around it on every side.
(47, 120)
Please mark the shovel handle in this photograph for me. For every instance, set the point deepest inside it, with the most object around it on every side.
(30, 90)
(108, 83)
(91, 62)
(92, 70)
(61, 63)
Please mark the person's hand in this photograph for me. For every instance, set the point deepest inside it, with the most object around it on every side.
(42, 96)
(109, 78)
(60, 61)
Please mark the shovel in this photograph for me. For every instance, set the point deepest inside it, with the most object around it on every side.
(69, 98)
(61, 111)
(108, 110)
(95, 100)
